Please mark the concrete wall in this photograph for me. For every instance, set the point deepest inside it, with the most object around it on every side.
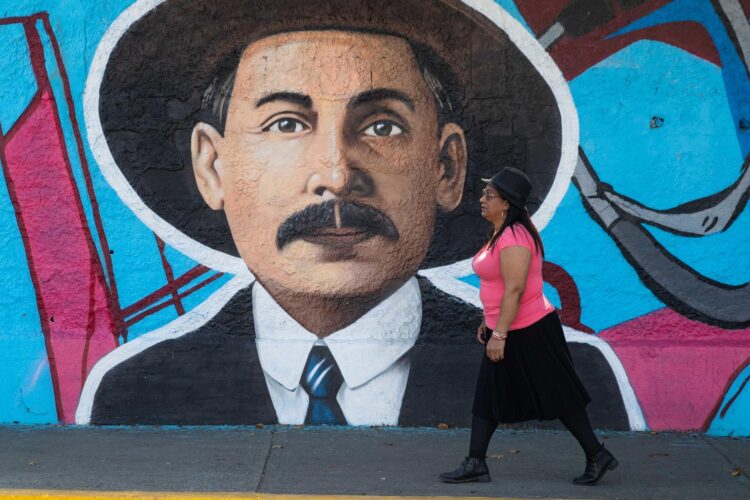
(153, 152)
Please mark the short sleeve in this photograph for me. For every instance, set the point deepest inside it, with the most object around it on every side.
(516, 236)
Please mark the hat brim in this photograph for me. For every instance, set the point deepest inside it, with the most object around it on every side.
(510, 199)
(153, 76)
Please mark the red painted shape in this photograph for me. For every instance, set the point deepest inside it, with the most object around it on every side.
(689, 36)
(170, 276)
(746, 7)
(176, 297)
(540, 18)
(70, 286)
(20, 20)
(718, 407)
(570, 299)
(540, 15)
(734, 397)
(574, 55)
(168, 289)
(98, 223)
(74, 301)
(679, 368)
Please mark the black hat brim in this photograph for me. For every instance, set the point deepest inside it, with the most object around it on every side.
(511, 199)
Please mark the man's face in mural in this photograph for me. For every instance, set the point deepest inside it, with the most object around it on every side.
(332, 163)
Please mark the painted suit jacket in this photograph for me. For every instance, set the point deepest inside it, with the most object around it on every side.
(212, 375)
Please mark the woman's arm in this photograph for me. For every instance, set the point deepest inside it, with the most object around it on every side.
(514, 266)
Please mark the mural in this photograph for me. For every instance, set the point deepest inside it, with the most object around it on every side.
(240, 212)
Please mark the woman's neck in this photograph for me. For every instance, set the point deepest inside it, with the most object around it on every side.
(498, 224)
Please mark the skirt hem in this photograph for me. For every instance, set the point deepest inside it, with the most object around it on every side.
(536, 379)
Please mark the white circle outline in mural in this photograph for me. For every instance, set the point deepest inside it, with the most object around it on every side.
(226, 263)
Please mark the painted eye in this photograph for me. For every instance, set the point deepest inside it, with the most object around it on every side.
(383, 128)
(287, 126)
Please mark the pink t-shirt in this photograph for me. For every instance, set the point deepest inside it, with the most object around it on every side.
(534, 305)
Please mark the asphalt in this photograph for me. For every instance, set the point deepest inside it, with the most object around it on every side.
(363, 461)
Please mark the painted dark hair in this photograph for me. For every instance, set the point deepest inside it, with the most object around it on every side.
(437, 75)
(520, 216)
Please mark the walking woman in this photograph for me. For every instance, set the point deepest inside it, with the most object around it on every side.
(527, 372)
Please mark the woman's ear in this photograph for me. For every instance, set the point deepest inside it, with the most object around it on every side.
(505, 205)
(453, 162)
(207, 166)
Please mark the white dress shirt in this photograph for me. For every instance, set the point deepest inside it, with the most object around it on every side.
(369, 353)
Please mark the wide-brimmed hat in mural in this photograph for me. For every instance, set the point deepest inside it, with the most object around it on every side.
(154, 65)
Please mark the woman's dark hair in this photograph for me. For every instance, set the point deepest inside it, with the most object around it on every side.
(520, 216)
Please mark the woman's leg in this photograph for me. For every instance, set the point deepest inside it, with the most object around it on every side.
(598, 459)
(474, 467)
(482, 430)
(579, 425)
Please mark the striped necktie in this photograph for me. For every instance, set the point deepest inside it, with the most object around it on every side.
(321, 380)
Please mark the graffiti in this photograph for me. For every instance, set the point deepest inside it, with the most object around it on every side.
(271, 214)
(73, 299)
(320, 216)
(678, 285)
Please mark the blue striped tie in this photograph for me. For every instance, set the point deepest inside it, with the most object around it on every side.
(322, 380)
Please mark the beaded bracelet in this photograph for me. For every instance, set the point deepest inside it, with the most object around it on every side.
(498, 335)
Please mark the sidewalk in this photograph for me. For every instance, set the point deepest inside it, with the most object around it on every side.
(353, 461)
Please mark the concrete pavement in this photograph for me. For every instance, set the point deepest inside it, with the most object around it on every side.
(278, 461)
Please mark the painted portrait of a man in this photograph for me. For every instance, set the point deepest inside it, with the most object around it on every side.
(329, 156)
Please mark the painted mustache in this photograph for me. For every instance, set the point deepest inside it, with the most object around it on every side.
(335, 214)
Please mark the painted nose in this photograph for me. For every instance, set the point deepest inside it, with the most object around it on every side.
(336, 173)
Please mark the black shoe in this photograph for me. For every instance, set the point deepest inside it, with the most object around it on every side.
(596, 467)
(471, 470)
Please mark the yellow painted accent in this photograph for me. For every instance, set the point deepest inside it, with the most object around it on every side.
(168, 495)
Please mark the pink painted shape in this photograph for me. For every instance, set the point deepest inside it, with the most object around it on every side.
(67, 275)
(679, 368)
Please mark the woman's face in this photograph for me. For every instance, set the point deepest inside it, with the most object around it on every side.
(494, 206)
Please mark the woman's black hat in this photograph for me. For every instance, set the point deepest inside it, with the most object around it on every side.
(513, 184)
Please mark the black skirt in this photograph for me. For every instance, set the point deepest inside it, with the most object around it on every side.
(535, 380)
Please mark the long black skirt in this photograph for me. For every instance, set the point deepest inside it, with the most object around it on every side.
(535, 380)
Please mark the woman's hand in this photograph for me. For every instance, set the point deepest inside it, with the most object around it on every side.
(495, 349)
(480, 333)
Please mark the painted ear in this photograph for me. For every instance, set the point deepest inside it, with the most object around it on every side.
(453, 160)
(207, 166)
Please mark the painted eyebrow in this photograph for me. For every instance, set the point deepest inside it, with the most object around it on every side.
(382, 94)
(294, 97)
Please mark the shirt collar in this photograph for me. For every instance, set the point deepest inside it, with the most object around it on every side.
(362, 350)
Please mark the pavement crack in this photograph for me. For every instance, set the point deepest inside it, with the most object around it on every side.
(729, 460)
(265, 464)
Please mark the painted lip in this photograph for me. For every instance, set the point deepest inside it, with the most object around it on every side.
(344, 236)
